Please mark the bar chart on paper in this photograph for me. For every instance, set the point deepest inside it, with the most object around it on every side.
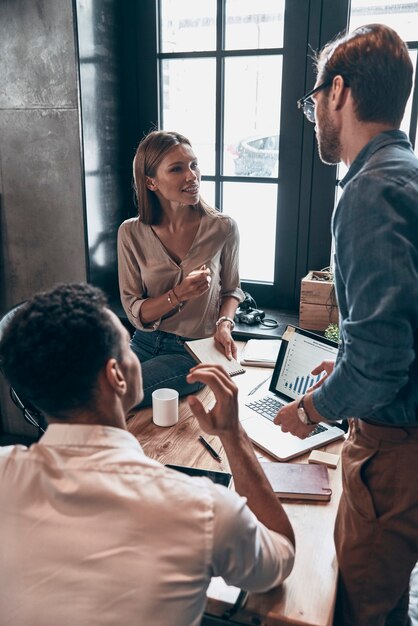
(303, 355)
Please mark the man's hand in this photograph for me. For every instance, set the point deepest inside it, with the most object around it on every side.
(223, 417)
(224, 337)
(325, 366)
(288, 419)
(222, 420)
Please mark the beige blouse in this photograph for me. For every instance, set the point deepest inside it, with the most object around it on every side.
(146, 270)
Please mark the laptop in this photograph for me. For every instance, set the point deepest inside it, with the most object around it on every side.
(299, 353)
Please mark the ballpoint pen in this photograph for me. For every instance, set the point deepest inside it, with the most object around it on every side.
(209, 448)
(259, 385)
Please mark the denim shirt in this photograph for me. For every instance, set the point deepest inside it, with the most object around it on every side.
(375, 229)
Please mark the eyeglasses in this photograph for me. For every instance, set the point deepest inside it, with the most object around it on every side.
(308, 105)
(31, 415)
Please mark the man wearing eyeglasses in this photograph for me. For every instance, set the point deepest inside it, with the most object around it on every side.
(363, 84)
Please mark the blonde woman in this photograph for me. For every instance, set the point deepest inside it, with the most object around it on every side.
(178, 264)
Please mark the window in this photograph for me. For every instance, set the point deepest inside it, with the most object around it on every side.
(220, 83)
(230, 72)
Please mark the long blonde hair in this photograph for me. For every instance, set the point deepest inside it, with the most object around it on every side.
(150, 152)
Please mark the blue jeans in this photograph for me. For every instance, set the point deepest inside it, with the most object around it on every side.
(165, 362)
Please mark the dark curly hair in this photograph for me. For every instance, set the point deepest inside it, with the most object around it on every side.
(55, 346)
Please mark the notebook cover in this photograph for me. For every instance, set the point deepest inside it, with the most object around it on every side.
(298, 481)
(209, 351)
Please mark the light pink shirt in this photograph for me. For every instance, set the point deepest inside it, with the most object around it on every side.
(93, 532)
(146, 270)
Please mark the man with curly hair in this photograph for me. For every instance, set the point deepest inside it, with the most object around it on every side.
(91, 530)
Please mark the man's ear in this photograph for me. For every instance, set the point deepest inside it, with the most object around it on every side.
(338, 92)
(115, 377)
(150, 183)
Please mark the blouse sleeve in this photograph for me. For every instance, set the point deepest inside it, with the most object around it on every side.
(132, 291)
(230, 283)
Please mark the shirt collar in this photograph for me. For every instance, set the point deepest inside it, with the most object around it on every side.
(381, 140)
(93, 435)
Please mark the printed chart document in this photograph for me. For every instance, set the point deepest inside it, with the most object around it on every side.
(298, 481)
(261, 352)
(209, 351)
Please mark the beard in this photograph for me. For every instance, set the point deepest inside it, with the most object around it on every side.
(329, 146)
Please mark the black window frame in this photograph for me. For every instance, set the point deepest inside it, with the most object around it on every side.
(307, 189)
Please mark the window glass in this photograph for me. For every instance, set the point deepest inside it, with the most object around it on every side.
(402, 16)
(252, 115)
(187, 25)
(253, 207)
(189, 105)
(207, 190)
(252, 24)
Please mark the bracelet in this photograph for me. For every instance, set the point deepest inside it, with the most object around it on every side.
(175, 295)
(179, 304)
(225, 318)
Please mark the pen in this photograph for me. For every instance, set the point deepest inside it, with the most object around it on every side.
(209, 448)
(258, 386)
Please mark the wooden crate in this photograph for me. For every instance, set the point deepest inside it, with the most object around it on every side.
(316, 303)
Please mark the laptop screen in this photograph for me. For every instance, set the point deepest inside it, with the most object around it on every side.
(300, 352)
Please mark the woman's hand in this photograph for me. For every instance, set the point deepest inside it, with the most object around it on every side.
(194, 285)
(224, 337)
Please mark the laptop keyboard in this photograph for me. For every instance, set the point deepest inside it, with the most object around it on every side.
(268, 407)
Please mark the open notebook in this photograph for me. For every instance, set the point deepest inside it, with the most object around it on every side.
(209, 351)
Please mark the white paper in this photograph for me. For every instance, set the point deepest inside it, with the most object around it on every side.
(261, 351)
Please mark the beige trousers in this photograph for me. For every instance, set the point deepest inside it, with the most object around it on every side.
(376, 532)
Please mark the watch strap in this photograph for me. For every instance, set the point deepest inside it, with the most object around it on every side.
(303, 414)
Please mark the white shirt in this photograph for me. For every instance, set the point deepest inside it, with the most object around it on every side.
(94, 532)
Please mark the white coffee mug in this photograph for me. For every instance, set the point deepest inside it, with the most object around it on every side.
(165, 407)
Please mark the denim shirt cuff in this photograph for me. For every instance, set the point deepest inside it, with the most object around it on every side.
(323, 407)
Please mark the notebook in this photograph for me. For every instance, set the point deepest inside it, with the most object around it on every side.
(299, 353)
(298, 481)
(209, 351)
(261, 352)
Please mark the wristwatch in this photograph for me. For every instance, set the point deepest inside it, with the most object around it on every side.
(303, 415)
(225, 318)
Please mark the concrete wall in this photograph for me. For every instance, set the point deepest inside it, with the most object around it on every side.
(60, 196)
(42, 212)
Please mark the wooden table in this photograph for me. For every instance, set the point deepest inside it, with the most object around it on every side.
(307, 597)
